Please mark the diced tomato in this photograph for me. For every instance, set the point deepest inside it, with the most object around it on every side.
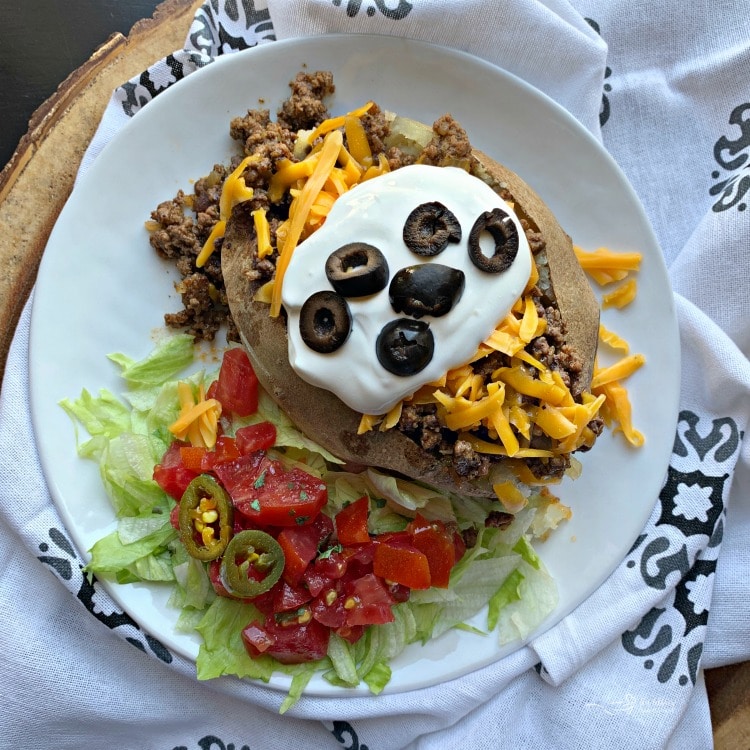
(332, 566)
(237, 386)
(255, 437)
(289, 642)
(368, 602)
(257, 639)
(323, 571)
(225, 450)
(171, 474)
(300, 545)
(402, 564)
(264, 602)
(436, 543)
(174, 517)
(288, 598)
(351, 522)
(214, 575)
(359, 559)
(398, 591)
(280, 498)
(351, 633)
(238, 477)
(328, 608)
(192, 457)
(402, 538)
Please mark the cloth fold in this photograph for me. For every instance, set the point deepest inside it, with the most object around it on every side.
(625, 668)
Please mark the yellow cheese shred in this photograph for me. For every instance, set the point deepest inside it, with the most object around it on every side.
(334, 123)
(511, 498)
(356, 139)
(367, 422)
(392, 417)
(617, 412)
(263, 232)
(612, 340)
(605, 259)
(198, 420)
(299, 211)
(617, 371)
(233, 191)
(622, 296)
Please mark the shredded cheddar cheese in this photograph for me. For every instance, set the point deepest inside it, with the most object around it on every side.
(263, 232)
(512, 499)
(607, 260)
(300, 208)
(617, 412)
(233, 191)
(198, 420)
(619, 370)
(334, 123)
(612, 340)
(622, 296)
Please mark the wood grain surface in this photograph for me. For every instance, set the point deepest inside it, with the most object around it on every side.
(36, 182)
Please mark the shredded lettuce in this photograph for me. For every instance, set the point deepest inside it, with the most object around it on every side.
(128, 436)
(111, 555)
(171, 357)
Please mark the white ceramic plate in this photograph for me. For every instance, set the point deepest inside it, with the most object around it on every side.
(101, 289)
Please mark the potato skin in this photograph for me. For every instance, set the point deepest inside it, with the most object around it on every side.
(327, 420)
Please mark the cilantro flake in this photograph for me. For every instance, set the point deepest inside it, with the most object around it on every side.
(325, 555)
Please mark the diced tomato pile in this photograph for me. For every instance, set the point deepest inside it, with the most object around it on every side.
(337, 576)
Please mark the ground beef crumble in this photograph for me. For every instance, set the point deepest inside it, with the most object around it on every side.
(450, 143)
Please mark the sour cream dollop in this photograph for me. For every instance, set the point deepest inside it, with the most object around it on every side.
(375, 212)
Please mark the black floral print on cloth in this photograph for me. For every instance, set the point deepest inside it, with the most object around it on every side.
(604, 112)
(219, 26)
(732, 154)
(211, 742)
(62, 558)
(394, 10)
(677, 553)
(344, 732)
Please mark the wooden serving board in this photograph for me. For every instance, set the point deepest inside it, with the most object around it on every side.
(37, 181)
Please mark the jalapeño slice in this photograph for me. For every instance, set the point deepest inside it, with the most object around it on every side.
(253, 562)
(205, 518)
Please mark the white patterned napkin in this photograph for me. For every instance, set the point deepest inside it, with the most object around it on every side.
(659, 84)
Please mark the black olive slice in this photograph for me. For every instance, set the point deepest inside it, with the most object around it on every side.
(503, 231)
(426, 289)
(429, 228)
(325, 321)
(404, 346)
(357, 269)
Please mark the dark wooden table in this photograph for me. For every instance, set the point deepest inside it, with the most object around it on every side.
(59, 59)
(42, 42)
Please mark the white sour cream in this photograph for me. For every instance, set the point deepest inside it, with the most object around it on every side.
(375, 212)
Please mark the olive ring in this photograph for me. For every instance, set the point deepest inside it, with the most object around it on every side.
(325, 321)
(505, 234)
(357, 270)
(405, 347)
(429, 228)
